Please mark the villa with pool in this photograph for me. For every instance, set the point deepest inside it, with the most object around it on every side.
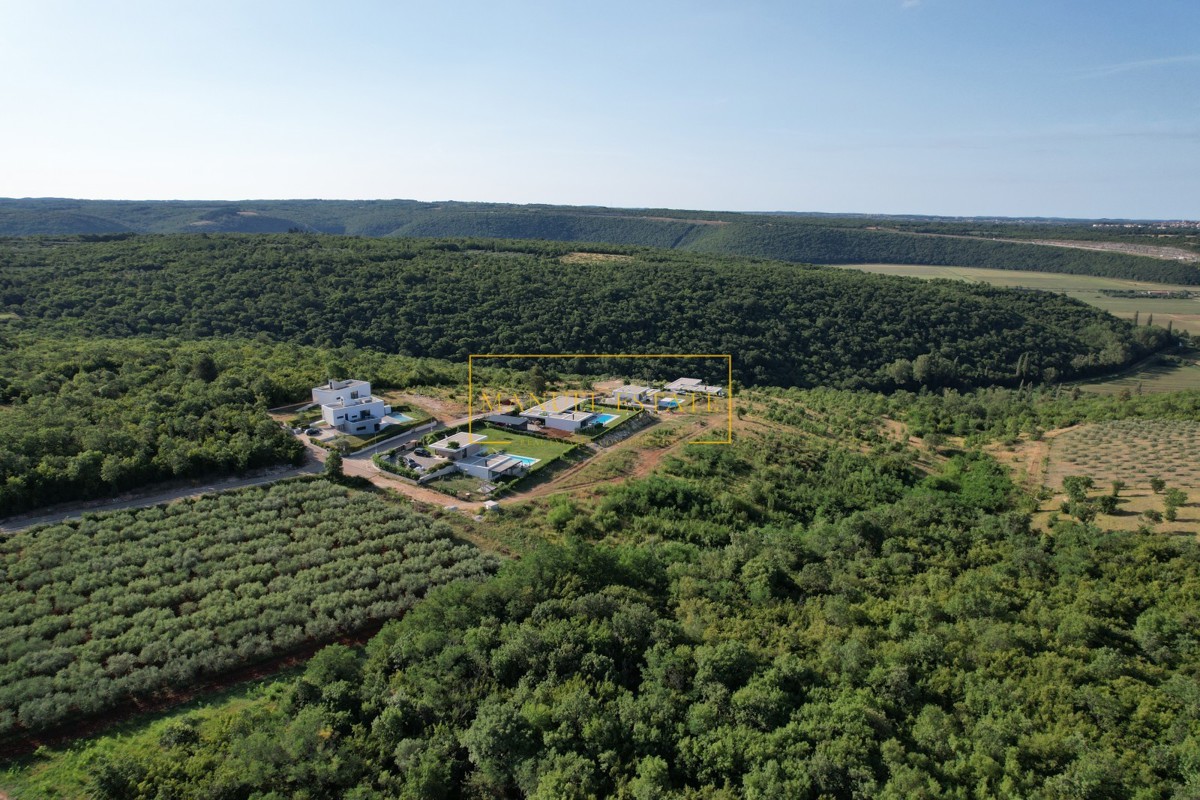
(565, 413)
(349, 407)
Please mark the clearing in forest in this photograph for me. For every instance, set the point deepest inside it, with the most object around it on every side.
(1133, 451)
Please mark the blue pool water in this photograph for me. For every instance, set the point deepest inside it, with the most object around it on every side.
(395, 418)
(669, 403)
(604, 419)
(527, 460)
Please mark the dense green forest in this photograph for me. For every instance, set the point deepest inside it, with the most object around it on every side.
(95, 418)
(794, 241)
(817, 611)
(981, 416)
(91, 418)
(86, 418)
(784, 618)
(122, 605)
(804, 238)
(787, 325)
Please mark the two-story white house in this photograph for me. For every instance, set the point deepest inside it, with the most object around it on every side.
(349, 406)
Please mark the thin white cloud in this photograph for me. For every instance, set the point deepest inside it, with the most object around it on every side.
(910, 3)
(1130, 66)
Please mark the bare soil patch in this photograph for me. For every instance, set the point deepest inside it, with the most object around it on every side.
(593, 258)
(442, 408)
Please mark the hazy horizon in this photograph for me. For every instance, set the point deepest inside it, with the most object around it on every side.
(773, 211)
(901, 107)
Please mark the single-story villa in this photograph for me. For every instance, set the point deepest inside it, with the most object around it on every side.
(560, 413)
(467, 452)
(458, 446)
(492, 466)
(633, 394)
(349, 407)
(693, 386)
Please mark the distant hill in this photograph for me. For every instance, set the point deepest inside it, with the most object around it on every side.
(801, 238)
(440, 298)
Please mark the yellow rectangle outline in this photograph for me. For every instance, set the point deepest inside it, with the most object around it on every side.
(728, 392)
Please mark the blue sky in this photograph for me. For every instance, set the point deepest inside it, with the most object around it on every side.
(964, 107)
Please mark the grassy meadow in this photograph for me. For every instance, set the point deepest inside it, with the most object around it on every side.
(1173, 374)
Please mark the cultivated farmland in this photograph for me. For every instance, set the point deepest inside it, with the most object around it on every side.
(1133, 451)
(1184, 314)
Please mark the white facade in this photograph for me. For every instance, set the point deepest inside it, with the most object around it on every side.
(492, 466)
(349, 406)
(559, 413)
(693, 386)
(458, 446)
(632, 394)
(569, 421)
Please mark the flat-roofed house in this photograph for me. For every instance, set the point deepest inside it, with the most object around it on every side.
(349, 407)
(633, 394)
(458, 446)
(492, 466)
(508, 421)
(560, 413)
(569, 421)
(693, 386)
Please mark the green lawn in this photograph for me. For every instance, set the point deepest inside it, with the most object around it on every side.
(546, 450)
(306, 418)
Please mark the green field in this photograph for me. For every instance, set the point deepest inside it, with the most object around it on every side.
(1167, 374)
(1184, 313)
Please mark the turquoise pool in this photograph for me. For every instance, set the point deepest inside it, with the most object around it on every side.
(528, 461)
(604, 419)
(395, 418)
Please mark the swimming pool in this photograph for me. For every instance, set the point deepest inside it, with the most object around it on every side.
(396, 418)
(604, 419)
(669, 403)
(526, 460)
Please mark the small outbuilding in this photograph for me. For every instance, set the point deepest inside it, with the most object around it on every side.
(508, 421)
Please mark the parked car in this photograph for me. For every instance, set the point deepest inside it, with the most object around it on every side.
(421, 451)
(313, 432)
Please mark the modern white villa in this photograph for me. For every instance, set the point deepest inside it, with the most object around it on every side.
(633, 394)
(349, 407)
(458, 446)
(693, 386)
(467, 452)
(560, 413)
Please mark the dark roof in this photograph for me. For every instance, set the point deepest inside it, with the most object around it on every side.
(506, 419)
